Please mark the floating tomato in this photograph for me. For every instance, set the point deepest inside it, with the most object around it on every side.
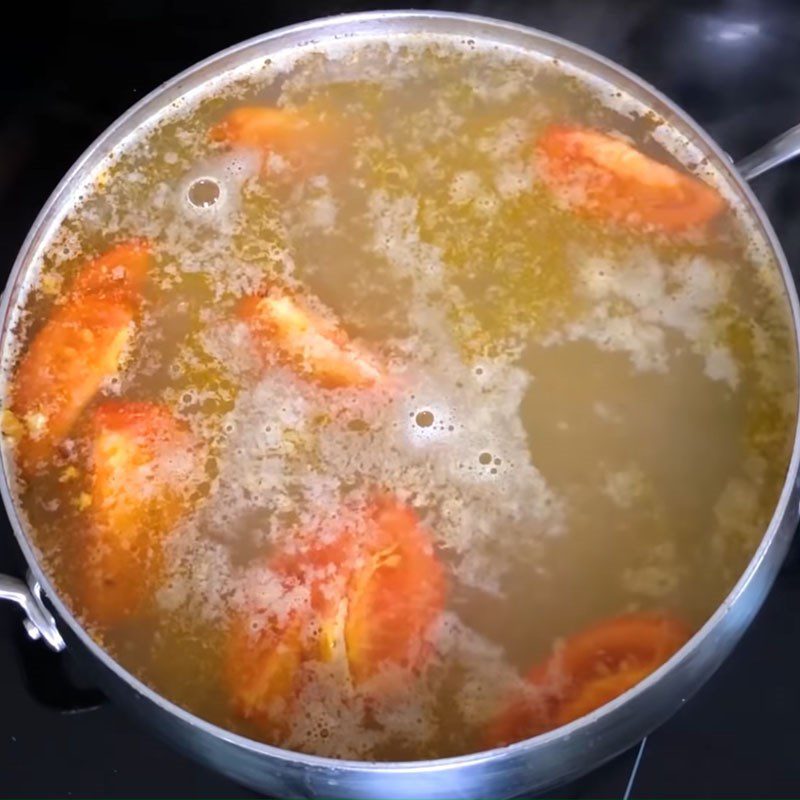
(395, 594)
(372, 593)
(144, 467)
(588, 670)
(263, 670)
(284, 328)
(80, 345)
(302, 138)
(608, 178)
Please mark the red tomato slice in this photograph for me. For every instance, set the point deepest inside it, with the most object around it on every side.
(294, 135)
(144, 466)
(120, 272)
(282, 327)
(262, 671)
(588, 670)
(395, 595)
(76, 350)
(263, 127)
(373, 595)
(266, 650)
(608, 178)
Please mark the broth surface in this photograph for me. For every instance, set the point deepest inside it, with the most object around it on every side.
(583, 419)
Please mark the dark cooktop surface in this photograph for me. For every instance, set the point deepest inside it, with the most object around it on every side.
(70, 69)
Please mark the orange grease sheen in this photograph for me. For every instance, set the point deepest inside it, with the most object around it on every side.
(608, 178)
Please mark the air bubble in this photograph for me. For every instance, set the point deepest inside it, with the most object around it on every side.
(424, 419)
(203, 193)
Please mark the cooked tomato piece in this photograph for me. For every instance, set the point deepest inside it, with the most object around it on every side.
(608, 178)
(588, 670)
(260, 126)
(283, 328)
(263, 669)
(395, 594)
(299, 137)
(323, 564)
(374, 591)
(144, 466)
(80, 345)
(268, 647)
(120, 272)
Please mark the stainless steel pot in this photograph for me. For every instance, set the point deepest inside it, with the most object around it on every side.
(530, 766)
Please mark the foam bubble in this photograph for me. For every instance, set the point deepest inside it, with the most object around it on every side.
(210, 193)
(634, 304)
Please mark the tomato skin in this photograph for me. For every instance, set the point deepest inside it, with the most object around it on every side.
(349, 577)
(607, 178)
(263, 672)
(588, 670)
(262, 127)
(395, 597)
(79, 346)
(144, 465)
(120, 272)
(285, 329)
(300, 137)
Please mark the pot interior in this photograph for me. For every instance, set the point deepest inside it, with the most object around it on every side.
(408, 447)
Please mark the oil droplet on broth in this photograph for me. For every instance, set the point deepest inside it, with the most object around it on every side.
(424, 419)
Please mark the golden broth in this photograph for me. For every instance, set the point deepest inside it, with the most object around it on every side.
(588, 420)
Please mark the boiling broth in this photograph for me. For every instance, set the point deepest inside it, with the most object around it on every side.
(587, 419)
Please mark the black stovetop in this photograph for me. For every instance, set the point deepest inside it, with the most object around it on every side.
(70, 70)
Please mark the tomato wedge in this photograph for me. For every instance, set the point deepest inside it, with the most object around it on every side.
(588, 670)
(80, 345)
(283, 328)
(119, 273)
(267, 648)
(263, 671)
(608, 178)
(395, 594)
(144, 466)
(260, 126)
(374, 590)
(294, 135)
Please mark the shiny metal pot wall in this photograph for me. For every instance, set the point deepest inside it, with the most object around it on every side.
(533, 765)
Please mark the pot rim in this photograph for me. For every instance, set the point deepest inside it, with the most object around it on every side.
(490, 30)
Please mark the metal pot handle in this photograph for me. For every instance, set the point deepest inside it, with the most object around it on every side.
(772, 154)
(39, 622)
